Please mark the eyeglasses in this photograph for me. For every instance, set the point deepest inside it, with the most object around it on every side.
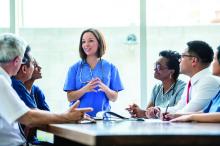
(85, 78)
(159, 67)
(187, 55)
(112, 116)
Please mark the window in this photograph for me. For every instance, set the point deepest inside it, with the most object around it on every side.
(53, 28)
(83, 13)
(172, 23)
(4, 15)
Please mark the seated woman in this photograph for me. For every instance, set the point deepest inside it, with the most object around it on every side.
(211, 113)
(170, 90)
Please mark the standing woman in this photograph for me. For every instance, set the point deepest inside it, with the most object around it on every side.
(93, 80)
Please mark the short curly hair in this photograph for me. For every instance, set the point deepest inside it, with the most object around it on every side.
(173, 61)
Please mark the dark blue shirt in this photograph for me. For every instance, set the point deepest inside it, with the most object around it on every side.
(214, 104)
(39, 96)
(34, 100)
(23, 93)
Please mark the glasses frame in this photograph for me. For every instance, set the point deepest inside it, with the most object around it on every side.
(187, 55)
(159, 67)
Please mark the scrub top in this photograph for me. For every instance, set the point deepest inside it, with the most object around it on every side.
(40, 99)
(34, 100)
(214, 104)
(80, 73)
(23, 93)
(171, 97)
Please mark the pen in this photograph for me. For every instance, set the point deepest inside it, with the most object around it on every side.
(166, 108)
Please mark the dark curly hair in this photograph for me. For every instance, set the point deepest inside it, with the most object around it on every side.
(218, 54)
(173, 61)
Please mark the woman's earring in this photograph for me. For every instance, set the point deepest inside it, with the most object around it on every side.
(170, 76)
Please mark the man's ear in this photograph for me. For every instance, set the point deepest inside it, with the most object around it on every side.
(195, 61)
(23, 68)
(17, 61)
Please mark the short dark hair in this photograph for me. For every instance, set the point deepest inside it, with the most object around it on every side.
(26, 59)
(101, 43)
(173, 61)
(218, 54)
(202, 50)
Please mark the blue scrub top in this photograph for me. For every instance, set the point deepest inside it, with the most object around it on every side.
(34, 100)
(39, 96)
(214, 104)
(81, 72)
(23, 93)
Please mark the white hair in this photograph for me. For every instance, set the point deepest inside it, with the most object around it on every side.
(11, 46)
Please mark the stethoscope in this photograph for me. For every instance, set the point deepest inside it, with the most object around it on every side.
(90, 72)
(173, 91)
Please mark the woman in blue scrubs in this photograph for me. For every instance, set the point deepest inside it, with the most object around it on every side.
(93, 80)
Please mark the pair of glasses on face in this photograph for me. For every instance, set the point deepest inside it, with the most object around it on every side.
(187, 55)
(159, 67)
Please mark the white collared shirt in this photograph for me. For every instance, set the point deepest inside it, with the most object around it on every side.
(11, 108)
(204, 86)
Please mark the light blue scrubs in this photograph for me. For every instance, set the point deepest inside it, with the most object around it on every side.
(214, 105)
(81, 72)
(171, 97)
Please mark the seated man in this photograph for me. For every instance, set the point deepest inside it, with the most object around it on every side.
(34, 97)
(194, 62)
(12, 108)
(23, 75)
(211, 112)
(34, 90)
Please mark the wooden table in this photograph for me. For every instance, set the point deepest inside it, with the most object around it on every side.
(148, 132)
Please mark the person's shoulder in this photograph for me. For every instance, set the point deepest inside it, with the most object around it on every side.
(13, 79)
(215, 79)
(210, 81)
(212, 78)
(16, 82)
(180, 82)
(104, 61)
(35, 87)
(108, 63)
(3, 80)
(157, 86)
(76, 64)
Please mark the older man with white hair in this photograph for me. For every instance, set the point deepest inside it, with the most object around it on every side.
(12, 108)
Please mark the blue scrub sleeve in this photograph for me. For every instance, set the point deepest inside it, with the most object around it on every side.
(115, 83)
(70, 82)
